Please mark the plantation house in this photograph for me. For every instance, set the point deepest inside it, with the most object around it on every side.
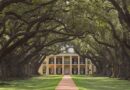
(66, 63)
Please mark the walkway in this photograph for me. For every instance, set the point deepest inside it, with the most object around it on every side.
(67, 84)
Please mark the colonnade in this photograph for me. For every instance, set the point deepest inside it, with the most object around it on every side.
(63, 65)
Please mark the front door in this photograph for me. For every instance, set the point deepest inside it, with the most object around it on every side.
(67, 71)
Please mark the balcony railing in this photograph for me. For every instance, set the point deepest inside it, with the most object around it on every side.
(82, 62)
(66, 62)
(59, 62)
(74, 62)
(51, 62)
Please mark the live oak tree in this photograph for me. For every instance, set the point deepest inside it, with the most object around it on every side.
(29, 28)
(109, 30)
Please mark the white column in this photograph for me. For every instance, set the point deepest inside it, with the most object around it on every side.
(91, 68)
(70, 65)
(54, 64)
(94, 68)
(62, 65)
(47, 66)
(78, 65)
(86, 67)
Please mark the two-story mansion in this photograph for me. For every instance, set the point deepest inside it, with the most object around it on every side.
(66, 64)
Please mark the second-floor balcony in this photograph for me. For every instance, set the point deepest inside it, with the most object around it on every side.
(66, 62)
(51, 61)
(82, 61)
(75, 62)
(59, 62)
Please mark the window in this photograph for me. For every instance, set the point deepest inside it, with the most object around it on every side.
(82, 61)
(51, 60)
(59, 60)
(74, 60)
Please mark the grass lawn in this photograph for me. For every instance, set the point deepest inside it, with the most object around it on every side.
(35, 83)
(100, 83)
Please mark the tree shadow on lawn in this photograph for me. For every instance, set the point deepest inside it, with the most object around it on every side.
(37, 83)
(100, 83)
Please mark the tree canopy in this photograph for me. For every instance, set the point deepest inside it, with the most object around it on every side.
(96, 29)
